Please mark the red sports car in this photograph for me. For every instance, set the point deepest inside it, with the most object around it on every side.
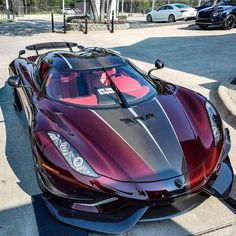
(113, 145)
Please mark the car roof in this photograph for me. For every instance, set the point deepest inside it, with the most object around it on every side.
(174, 4)
(88, 58)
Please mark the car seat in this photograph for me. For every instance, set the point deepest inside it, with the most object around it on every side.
(62, 86)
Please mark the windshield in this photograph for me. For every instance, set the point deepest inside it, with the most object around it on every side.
(112, 86)
(182, 6)
(227, 2)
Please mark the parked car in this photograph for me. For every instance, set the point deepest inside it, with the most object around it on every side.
(68, 11)
(222, 15)
(113, 145)
(172, 12)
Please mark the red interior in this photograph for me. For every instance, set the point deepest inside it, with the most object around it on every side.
(63, 86)
(130, 86)
(66, 87)
(87, 100)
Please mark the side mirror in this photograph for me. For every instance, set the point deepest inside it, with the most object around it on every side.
(159, 64)
(21, 52)
(80, 47)
(14, 81)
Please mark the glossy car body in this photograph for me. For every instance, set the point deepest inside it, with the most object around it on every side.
(172, 12)
(146, 146)
(222, 15)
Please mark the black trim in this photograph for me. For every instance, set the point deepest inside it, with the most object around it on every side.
(123, 219)
(50, 45)
(97, 222)
(220, 186)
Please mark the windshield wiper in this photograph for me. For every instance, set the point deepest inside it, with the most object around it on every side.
(121, 97)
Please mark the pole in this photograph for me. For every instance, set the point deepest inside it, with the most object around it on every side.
(153, 4)
(64, 22)
(122, 7)
(86, 24)
(25, 3)
(85, 10)
(7, 10)
(131, 7)
(52, 19)
(63, 6)
(112, 22)
(117, 7)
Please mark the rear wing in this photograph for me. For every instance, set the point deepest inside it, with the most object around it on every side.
(50, 45)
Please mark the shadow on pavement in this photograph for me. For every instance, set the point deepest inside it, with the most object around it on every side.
(180, 53)
(196, 28)
(48, 225)
(18, 152)
(211, 57)
(206, 56)
(27, 27)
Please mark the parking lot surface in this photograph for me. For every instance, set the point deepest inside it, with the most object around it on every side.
(199, 60)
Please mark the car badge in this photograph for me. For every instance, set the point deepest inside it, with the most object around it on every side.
(136, 119)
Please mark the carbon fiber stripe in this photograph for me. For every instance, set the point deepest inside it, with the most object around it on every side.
(152, 137)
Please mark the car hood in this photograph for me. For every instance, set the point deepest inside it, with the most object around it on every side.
(215, 8)
(149, 142)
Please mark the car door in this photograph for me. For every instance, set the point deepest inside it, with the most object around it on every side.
(159, 13)
(168, 11)
(25, 93)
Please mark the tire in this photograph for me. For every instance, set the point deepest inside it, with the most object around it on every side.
(229, 22)
(203, 26)
(171, 18)
(149, 18)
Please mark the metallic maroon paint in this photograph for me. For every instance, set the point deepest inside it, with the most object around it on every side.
(188, 116)
(137, 191)
(197, 145)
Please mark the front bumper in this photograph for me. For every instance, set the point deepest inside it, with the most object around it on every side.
(124, 218)
(119, 214)
(209, 21)
(220, 185)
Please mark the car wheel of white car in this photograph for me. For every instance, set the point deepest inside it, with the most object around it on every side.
(149, 18)
(171, 18)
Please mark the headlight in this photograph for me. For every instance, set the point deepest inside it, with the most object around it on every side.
(74, 159)
(217, 13)
(215, 122)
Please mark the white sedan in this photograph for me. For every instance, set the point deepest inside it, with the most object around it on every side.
(172, 12)
(68, 11)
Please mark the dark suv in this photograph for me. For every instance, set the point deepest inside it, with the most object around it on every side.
(223, 15)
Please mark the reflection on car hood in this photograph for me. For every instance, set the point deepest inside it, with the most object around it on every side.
(148, 142)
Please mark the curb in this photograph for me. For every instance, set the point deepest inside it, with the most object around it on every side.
(225, 97)
(230, 106)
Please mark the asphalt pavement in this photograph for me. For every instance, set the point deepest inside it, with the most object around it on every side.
(202, 60)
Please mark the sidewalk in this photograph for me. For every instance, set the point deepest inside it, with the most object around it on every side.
(227, 93)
